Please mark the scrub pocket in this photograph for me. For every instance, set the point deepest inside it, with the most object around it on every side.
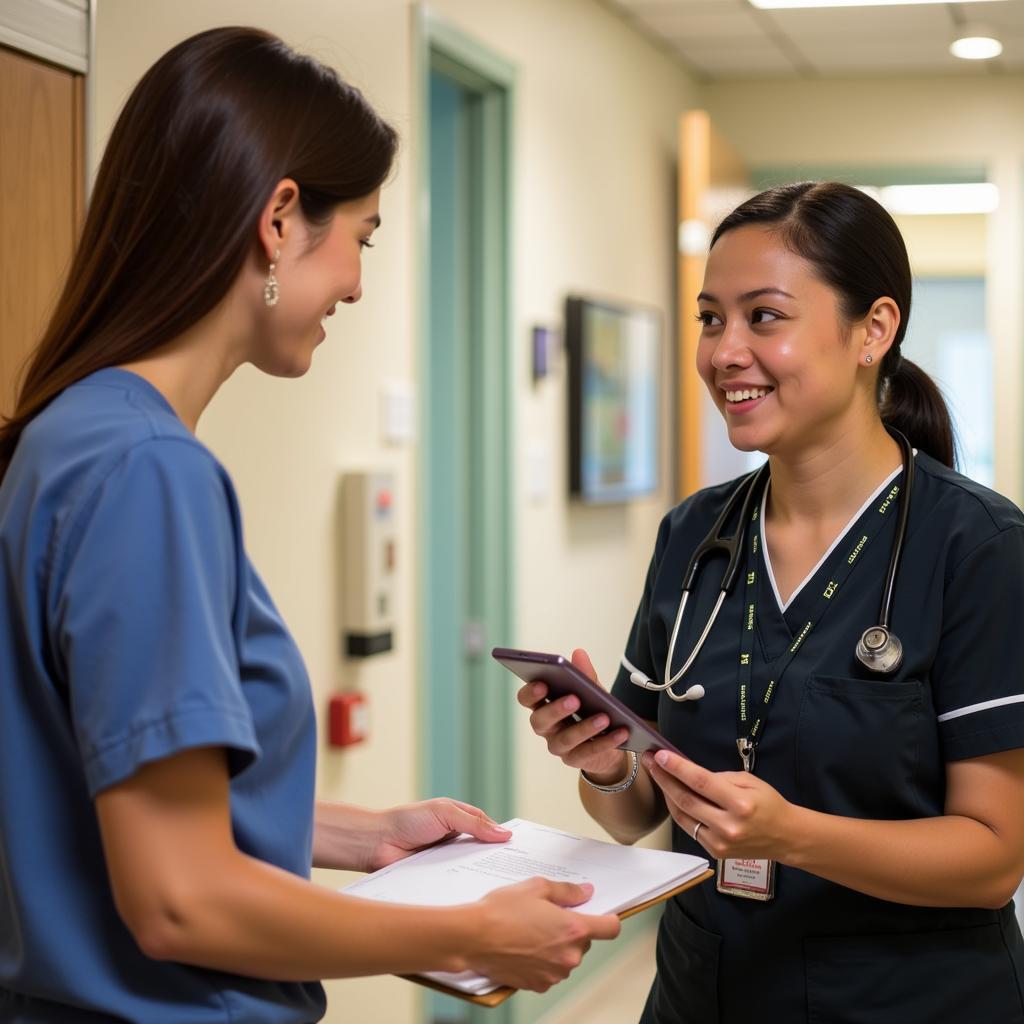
(685, 990)
(867, 748)
(959, 976)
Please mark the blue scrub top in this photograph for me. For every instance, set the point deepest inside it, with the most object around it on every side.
(132, 627)
(845, 741)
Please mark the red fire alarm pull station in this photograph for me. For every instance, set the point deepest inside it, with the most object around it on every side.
(349, 719)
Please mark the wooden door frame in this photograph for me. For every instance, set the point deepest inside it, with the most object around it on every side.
(706, 163)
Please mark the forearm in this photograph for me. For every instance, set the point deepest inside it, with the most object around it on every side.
(950, 861)
(344, 836)
(629, 815)
(250, 918)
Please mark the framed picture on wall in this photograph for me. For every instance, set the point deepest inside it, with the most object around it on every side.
(614, 399)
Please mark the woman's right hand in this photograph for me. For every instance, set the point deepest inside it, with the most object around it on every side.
(578, 744)
(527, 939)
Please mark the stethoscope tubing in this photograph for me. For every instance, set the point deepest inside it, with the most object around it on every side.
(714, 541)
(700, 642)
(901, 530)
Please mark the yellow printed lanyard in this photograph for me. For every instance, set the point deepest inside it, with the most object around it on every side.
(751, 717)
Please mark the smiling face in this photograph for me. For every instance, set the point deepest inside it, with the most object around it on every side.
(319, 267)
(775, 352)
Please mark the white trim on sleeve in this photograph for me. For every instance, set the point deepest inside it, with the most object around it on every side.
(1017, 698)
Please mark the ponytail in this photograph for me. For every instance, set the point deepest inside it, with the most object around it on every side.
(911, 402)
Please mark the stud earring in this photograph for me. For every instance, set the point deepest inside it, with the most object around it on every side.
(271, 290)
(869, 358)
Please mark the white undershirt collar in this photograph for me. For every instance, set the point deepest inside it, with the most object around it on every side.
(842, 533)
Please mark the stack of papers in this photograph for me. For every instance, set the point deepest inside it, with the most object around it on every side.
(464, 870)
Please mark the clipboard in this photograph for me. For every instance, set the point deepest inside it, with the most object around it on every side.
(499, 995)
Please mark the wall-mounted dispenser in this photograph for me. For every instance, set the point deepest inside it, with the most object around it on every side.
(368, 562)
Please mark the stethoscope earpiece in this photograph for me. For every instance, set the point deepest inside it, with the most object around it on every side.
(879, 650)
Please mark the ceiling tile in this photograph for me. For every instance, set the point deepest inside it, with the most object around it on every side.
(738, 58)
(1008, 14)
(680, 24)
(848, 62)
(729, 38)
(690, 6)
(882, 21)
(927, 51)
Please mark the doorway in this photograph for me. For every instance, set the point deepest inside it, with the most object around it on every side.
(465, 519)
(947, 337)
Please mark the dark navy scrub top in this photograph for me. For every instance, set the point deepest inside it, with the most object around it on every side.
(844, 741)
(132, 627)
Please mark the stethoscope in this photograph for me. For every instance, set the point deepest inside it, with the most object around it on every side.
(878, 648)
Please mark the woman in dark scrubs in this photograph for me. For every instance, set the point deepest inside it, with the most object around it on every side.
(880, 821)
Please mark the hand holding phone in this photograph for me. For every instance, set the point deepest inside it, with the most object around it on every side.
(563, 679)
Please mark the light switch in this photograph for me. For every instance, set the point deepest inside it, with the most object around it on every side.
(538, 471)
(397, 412)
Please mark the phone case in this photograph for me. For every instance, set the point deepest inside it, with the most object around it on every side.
(563, 678)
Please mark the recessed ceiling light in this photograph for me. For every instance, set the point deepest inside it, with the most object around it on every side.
(770, 5)
(975, 42)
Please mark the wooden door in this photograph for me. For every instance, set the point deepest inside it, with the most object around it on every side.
(42, 190)
(712, 180)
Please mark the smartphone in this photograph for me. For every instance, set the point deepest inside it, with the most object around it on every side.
(563, 677)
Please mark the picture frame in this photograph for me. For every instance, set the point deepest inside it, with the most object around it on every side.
(615, 373)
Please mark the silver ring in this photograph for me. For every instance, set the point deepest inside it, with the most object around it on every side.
(696, 829)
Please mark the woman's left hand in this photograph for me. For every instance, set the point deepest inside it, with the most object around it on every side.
(740, 815)
(404, 830)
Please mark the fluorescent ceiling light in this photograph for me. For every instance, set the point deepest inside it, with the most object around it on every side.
(770, 5)
(974, 197)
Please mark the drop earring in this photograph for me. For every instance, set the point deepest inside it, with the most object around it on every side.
(271, 290)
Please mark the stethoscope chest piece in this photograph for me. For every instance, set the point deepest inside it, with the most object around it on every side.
(879, 650)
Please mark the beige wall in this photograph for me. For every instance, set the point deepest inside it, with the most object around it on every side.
(595, 148)
(596, 113)
(913, 122)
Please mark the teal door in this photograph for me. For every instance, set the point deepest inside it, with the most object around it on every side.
(450, 498)
(465, 529)
(466, 536)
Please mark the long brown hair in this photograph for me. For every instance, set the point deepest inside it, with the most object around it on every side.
(856, 248)
(196, 152)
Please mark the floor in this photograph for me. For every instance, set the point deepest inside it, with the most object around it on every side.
(618, 996)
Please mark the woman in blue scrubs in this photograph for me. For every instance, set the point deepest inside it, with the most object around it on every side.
(157, 733)
(874, 817)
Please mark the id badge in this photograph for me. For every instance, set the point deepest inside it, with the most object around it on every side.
(749, 879)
